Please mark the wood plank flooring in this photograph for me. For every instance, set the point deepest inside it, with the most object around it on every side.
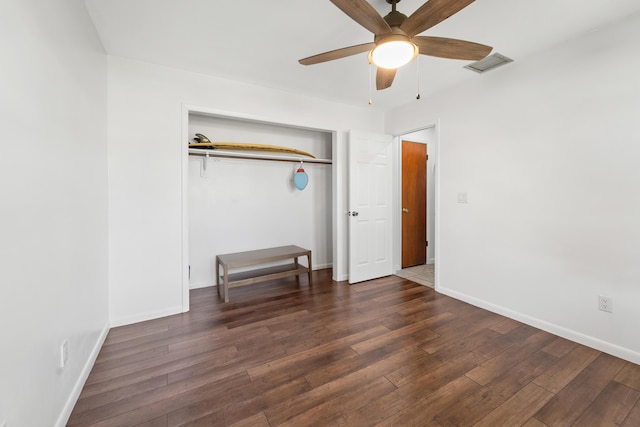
(386, 352)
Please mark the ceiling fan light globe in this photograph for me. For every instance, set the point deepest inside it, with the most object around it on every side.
(393, 54)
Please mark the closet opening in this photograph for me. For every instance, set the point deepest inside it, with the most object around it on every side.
(243, 200)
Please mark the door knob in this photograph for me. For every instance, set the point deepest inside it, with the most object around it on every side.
(354, 213)
(405, 210)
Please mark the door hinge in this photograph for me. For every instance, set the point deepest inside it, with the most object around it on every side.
(427, 157)
(427, 243)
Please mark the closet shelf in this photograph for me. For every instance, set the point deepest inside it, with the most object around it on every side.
(254, 156)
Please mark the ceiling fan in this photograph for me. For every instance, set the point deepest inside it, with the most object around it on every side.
(396, 42)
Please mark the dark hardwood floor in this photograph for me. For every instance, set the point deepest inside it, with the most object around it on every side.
(384, 352)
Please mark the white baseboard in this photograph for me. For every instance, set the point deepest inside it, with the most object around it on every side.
(322, 266)
(341, 278)
(201, 285)
(127, 320)
(63, 418)
(589, 341)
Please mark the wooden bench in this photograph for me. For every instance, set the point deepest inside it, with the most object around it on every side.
(256, 258)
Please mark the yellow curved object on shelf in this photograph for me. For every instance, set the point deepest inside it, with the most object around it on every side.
(241, 146)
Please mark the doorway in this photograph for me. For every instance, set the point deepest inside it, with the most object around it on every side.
(424, 273)
(414, 204)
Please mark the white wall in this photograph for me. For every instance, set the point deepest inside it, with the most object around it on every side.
(53, 205)
(548, 150)
(247, 204)
(145, 171)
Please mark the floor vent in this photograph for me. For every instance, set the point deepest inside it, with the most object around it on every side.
(489, 63)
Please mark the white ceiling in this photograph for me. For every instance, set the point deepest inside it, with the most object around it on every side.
(260, 41)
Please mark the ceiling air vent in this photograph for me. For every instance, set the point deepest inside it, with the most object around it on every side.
(488, 63)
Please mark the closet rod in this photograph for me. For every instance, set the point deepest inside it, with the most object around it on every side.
(274, 158)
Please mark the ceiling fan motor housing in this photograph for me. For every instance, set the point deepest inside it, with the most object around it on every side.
(396, 34)
(395, 18)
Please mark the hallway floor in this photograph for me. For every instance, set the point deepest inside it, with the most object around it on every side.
(421, 274)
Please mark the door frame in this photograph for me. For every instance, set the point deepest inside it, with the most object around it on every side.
(397, 201)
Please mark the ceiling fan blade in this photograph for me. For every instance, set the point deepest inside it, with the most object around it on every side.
(364, 14)
(432, 13)
(337, 54)
(384, 77)
(451, 48)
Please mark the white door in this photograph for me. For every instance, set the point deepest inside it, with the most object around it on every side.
(370, 201)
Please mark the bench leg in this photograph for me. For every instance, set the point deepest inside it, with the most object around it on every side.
(309, 259)
(218, 277)
(226, 284)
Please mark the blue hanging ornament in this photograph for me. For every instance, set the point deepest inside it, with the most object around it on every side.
(300, 178)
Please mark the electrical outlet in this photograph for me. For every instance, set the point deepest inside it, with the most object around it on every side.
(64, 353)
(605, 304)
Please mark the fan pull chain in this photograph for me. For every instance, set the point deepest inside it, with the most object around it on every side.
(370, 83)
(418, 75)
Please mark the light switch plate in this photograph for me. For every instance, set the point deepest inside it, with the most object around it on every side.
(463, 197)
